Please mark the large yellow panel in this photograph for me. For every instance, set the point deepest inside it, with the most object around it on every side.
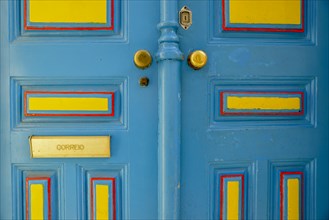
(68, 11)
(102, 202)
(37, 202)
(265, 11)
(232, 209)
(293, 199)
(68, 104)
(263, 103)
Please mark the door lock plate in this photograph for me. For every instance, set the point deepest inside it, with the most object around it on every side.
(185, 17)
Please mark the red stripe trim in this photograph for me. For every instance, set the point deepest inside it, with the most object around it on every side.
(223, 15)
(222, 177)
(113, 195)
(112, 15)
(27, 194)
(25, 14)
(27, 208)
(29, 27)
(263, 29)
(294, 30)
(282, 195)
(303, 15)
(222, 111)
(67, 115)
(49, 199)
(47, 28)
(221, 103)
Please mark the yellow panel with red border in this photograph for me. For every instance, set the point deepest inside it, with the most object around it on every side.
(263, 16)
(69, 15)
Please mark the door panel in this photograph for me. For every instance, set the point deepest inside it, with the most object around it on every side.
(251, 139)
(247, 152)
(75, 76)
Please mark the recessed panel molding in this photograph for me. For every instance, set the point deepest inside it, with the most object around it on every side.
(65, 104)
(68, 15)
(232, 190)
(38, 198)
(291, 195)
(232, 194)
(103, 198)
(261, 103)
(292, 189)
(263, 16)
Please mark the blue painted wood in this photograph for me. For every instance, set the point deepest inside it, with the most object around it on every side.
(228, 170)
(305, 169)
(169, 88)
(22, 172)
(179, 178)
(281, 84)
(82, 61)
(118, 85)
(169, 140)
(239, 61)
(217, 35)
(118, 33)
(118, 172)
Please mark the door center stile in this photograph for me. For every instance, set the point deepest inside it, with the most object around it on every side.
(169, 59)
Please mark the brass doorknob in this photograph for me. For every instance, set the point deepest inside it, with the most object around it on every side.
(142, 59)
(197, 59)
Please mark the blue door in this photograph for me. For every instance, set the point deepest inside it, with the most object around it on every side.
(164, 109)
(79, 136)
(249, 152)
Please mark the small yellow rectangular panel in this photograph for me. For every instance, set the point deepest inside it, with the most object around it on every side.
(265, 11)
(233, 200)
(102, 201)
(68, 11)
(37, 202)
(293, 199)
(69, 146)
(68, 104)
(263, 103)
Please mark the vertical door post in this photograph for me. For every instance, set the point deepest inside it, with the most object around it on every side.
(169, 59)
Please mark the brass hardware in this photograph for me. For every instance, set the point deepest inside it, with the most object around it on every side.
(185, 17)
(144, 81)
(69, 146)
(142, 59)
(197, 59)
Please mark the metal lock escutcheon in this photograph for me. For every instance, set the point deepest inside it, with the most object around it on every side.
(185, 17)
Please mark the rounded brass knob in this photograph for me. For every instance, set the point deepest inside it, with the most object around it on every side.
(142, 59)
(197, 59)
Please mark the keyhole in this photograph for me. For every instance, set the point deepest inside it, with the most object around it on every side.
(144, 81)
(186, 18)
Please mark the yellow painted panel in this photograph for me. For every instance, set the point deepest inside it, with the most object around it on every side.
(37, 202)
(263, 103)
(68, 104)
(265, 11)
(68, 11)
(293, 199)
(102, 202)
(232, 200)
